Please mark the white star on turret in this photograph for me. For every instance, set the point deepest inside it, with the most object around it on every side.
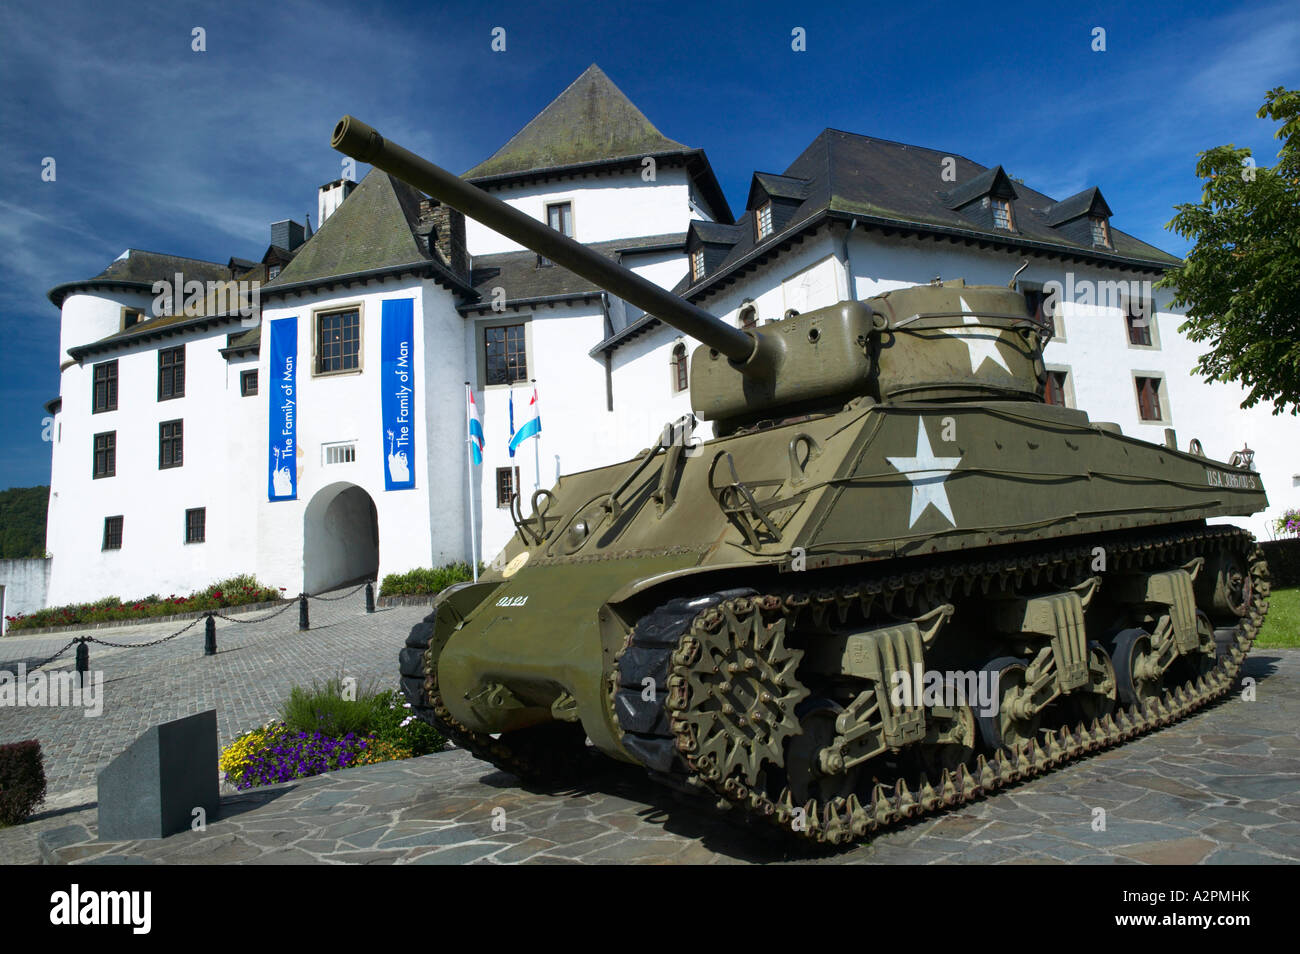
(982, 345)
(927, 474)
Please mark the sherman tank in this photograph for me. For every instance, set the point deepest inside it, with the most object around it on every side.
(894, 580)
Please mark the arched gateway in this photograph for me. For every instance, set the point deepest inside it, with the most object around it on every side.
(340, 538)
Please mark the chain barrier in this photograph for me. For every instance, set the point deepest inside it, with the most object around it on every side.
(335, 599)
(259, 619)
(71, 643)
(83, 640)
(103, 642)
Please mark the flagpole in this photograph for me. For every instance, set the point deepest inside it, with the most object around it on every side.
(537, 439)
(469, 464)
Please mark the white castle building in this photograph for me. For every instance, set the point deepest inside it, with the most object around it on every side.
(321, 439)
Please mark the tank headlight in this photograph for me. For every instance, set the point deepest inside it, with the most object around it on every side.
(578, 532)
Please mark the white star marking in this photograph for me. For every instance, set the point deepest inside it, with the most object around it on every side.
(927, 474)
(982, 345)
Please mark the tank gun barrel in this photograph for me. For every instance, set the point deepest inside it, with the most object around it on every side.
(360, 141)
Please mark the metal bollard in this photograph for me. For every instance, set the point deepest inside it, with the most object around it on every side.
(370, 597)
(83, 661)
(302, 612)
(210, 636)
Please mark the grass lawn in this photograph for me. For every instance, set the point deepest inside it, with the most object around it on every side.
(1282, 626)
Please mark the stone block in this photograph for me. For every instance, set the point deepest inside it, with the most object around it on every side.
(152, 789)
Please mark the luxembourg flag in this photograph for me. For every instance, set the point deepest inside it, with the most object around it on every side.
(475, 429)
(531, 429)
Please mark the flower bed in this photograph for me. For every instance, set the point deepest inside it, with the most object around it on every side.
(322, 730)
(236, 591)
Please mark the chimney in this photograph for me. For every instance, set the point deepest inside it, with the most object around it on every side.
(442, 229)
(331, 196)
(287, 234)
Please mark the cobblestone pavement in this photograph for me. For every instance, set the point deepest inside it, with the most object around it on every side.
(251, 674)
(1220, 788)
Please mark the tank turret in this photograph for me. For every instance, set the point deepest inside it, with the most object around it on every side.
(914, 345)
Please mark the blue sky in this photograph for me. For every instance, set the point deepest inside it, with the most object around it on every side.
(162, 148)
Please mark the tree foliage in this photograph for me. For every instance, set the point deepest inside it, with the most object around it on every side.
(22, 522)
(1240, 283)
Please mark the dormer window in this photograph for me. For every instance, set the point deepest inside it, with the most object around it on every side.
(131, 317)
(697, 264)
(1002, 214)
(1100, 231)
(272, 272)
(763, 221)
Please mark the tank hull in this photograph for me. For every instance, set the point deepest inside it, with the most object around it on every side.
(897, 487)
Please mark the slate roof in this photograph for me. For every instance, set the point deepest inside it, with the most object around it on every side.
(717, 231)
(372, 231)
(524, 281)
(220, 304)
(979, 185)
(589, 121)
(137, 270)
(589, 127)
(891, 185)
(1080, 203)
(781, 187)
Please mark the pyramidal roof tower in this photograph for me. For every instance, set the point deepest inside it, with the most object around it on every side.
(590, 121)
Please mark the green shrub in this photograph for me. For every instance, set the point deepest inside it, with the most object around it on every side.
(22, 780)
(323, 708)
(424, 581)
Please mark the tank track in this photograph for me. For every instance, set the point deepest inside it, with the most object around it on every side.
(546, 754)
(665, 643)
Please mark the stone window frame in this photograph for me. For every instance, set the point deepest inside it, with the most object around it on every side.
(680, 376)
(326, 311)
(1058, 312)
(480, 347)
(1068, 391)
(511, 473)
(1152, 325)
(1166, 418)
(244, 378)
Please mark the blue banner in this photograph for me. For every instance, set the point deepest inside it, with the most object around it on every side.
(282, 391)
(397, 386)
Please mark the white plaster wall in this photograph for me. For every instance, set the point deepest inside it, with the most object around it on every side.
(23, 585)
(346, 407)
(87, 317)
(154, 557)
(604, 208)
